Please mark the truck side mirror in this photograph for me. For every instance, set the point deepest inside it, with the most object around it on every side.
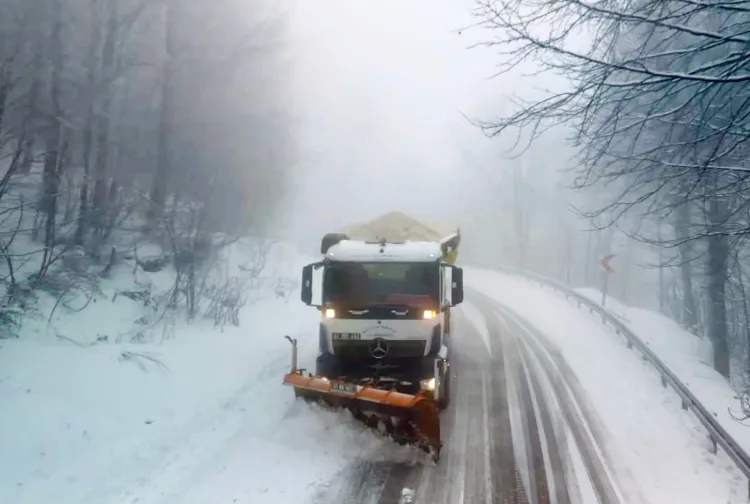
(457, 285)
(306, 293)
(307, 277)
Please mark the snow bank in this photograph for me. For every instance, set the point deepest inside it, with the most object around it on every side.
(87, 420)
(689, 357)
(658, 452)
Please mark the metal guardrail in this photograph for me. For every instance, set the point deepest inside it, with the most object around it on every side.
(717, 434)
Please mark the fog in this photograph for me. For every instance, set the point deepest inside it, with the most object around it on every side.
(646, 120)
(157, 120)
(385, 97)
(382, 90)
(177, 157)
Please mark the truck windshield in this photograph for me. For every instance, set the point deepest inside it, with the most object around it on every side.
(382, 283)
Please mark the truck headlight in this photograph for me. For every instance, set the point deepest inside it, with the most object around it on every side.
(427, 384)
(429, 314)
(330, 313)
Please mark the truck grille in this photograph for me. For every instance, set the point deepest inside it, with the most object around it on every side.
(382, 313)
(397, 349)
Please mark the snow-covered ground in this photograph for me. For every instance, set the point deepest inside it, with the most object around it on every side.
(190, 413)
(99, 407)
(689, 357)
(660, 454)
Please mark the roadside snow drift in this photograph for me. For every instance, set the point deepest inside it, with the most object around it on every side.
(660, 454)
(196, 413)
(690, 359)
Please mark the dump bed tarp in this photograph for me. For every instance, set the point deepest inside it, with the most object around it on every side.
(397, 226)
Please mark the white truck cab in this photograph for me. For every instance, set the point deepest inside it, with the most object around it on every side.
(383, 308)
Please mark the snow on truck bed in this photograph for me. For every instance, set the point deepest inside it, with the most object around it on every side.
(201, 414)
(659, 452)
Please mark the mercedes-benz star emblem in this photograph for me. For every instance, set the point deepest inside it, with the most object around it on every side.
(378, 348)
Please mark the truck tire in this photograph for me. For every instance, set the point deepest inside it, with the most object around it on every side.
(445, 391)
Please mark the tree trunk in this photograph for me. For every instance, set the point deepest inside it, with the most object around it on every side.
(745, 312)
(569, 257)
(82, 226)
(29, 129)
(159, 186)
(113, 208)
(56, 142)
(662, 289)
(103, 120)
(587, 265)
(717, 259)
(689, 315)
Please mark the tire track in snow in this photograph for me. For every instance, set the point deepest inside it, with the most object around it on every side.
(508, 455)
(571, 404)
(477, 462)
(528, 443)
(517, 424)
(560, 471)
(539, 488)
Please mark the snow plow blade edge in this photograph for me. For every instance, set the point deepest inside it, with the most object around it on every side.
(418, 420)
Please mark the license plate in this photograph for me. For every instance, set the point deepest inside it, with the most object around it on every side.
(346, 388)
(346, 335)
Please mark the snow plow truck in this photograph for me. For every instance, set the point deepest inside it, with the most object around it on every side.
(384, 336)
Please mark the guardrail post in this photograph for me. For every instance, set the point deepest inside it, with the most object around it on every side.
(684, 404)
(630, 344)
(663, 381)
(714, 446)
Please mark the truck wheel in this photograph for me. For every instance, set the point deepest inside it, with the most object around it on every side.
(445, 391)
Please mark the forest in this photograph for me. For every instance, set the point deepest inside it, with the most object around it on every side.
(128, 124)
(135, 123)
(656, 108)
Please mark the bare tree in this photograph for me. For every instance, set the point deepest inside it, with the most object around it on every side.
(129, 111)
(658, 102)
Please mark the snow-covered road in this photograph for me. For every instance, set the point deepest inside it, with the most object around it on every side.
(530, 422)
(545, 403)
(517, 430)
(477, 458)
(656, 452)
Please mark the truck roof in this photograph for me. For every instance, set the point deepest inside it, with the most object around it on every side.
(361, 251)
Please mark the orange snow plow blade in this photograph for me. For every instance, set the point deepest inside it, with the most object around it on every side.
(407, 418)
